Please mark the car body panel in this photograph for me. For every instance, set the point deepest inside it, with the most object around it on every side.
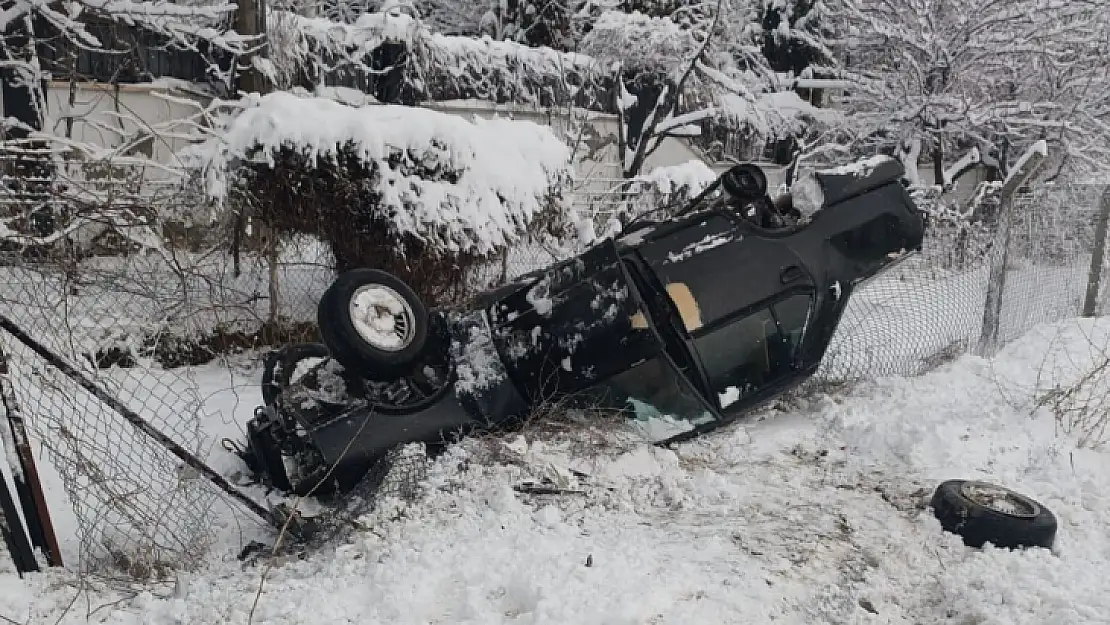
(698, 319)
(572, 326)
(720, 266)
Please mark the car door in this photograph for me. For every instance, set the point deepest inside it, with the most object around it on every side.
(745, 300)
(752, 355)
(713, 268)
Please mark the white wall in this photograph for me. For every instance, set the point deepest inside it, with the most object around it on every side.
(110, 116)
(603, 163)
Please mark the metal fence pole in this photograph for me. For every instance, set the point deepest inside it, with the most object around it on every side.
(25, 474)
(996, 285)
(13, 533)
(1094, 275)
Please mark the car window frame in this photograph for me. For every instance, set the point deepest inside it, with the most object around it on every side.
(646, 284)
(767, 305)
(675, 338)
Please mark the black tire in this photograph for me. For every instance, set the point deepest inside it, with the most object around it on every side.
(276, 378)
(350, 348)
(1023, 522)
(745, 182)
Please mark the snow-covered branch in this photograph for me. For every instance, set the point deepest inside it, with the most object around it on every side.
(402, 60)
(949, 75)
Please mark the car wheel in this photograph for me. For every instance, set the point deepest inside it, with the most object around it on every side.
(279, 366)
(982, 513)
(373, 323)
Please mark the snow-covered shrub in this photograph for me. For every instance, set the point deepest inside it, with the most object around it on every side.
(670, 187)
(424, 194)
(399, 59)
(660, 193)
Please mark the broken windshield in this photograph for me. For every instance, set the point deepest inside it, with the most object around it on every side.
(658, 396)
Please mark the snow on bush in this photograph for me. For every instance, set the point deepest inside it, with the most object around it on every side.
(687, 179)
(458, 185)
(641, 42)
(680, 80)
(428, 196)
(425, 65)
(669, 187)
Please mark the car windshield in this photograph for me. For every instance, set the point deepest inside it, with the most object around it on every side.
(744, 356)
(656, 395)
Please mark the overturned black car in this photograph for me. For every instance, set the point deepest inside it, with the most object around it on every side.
(685, 323)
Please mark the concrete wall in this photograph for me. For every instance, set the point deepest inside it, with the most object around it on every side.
(147, 117)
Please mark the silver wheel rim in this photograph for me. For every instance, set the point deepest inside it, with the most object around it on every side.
(999, 499)
(382, 318)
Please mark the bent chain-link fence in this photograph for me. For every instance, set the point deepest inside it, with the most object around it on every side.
(92, 272)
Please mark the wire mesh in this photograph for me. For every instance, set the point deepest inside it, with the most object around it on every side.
(931, 308)
(93, 278)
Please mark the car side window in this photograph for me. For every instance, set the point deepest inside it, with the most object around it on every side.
(792, 314)
(745, 355)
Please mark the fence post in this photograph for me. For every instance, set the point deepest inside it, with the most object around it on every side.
(25, 473)
(12, 532)
(1094, 275)
(1026, 166)
(250, 20)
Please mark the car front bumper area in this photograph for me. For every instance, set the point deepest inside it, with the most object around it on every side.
(337, 453)
(367, 433)
(324, 450)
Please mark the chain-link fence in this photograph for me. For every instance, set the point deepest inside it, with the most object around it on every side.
(95, 275)
(933, 307)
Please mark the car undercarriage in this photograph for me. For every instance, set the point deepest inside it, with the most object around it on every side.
(684, 323)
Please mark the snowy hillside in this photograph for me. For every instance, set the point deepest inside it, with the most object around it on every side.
(813, 516)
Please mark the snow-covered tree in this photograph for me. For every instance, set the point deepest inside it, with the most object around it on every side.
(677, 77)
(550, 23)
(40, 40)
(397, 58)
(948, 78)
(119, 42)
(792, 33)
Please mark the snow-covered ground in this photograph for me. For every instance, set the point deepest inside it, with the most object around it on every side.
(814, 515)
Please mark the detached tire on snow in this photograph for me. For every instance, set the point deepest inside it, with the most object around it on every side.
(373, 323)
(983, 513)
